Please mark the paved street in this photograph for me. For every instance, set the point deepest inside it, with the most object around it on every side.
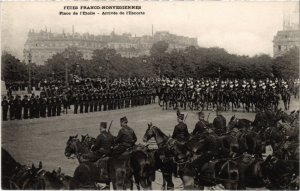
(34, 140)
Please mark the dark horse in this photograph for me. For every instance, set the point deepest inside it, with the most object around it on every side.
(16, 176)
(105, 170)
(162, 156)
(196, 164)
(249, 141)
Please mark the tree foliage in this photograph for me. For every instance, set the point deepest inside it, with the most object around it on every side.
(193, 62)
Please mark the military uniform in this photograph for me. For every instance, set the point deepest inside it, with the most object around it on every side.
(18, 106)
(81, 102)
(180, 132)
(49, 106)
(37, 107)
(4, 105)
(58, 105)
(43, 103)
(200, 127)
(103, 144)
(32, 108)
(220, 124)
(126, 139)
(76, 103)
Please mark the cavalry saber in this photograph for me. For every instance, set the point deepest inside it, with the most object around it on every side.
(110, 125)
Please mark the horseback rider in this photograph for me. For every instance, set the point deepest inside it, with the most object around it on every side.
(103, 142)
(201, 125)
(101, 146)
(219, 122)
(126, 137)
(180, 132)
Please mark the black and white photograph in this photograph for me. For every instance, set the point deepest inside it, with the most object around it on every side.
(148, 95)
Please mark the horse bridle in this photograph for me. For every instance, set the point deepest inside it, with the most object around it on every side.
(76, 154)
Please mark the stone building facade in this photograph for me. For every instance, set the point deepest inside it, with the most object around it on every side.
(285, 40)
(44, 44)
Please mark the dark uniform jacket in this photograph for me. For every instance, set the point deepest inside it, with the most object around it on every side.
(220, 123)
(126, 137)
(103, 143)
(200, 127)
(180, 132)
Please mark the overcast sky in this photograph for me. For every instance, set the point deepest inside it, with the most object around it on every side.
(244, 28)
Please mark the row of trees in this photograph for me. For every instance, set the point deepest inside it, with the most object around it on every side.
(190, 62)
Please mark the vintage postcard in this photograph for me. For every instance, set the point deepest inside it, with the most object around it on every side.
(150, 95)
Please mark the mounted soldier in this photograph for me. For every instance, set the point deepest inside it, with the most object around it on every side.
(102, 145)
(180, 132)
(126, 138)
(219, 122)
(201, 125)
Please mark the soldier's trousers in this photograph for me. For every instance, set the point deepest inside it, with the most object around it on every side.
(95, 106)
(81, 108)
(4, 113)
(86, 108)
(11, 113)
(49, 109)
(91, 107)
(25, 114)
(75, 108)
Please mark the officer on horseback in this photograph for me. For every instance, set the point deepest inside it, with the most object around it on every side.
(201, 125)
(180, 132)
(104, 141)
(219, 122)
(126, 138)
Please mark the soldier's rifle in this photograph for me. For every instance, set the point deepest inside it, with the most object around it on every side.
(109, 126)
(186, 117)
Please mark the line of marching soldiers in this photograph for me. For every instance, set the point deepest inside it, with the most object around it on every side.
(111, 100)
(31, 107)
(35, 106)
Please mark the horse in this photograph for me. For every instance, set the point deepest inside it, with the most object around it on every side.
(105, 170)
(239, 123)
(250, 171)
(143, 167)
(162, 156)
(204, 170)
(279, 173)
(88, 141)
(17, 176)
(52, 180)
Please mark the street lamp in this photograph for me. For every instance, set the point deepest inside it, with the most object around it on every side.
(66, 55)
(29, 71)
(219, 70)
(107, 58)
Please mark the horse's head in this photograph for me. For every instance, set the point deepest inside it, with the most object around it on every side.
(71, 148)
(233, 122)
(88, 140)
(149, 132)
(33, 179)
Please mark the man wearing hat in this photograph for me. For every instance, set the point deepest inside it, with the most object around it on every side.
(180, 132)
(219, 121)
(103, 142)
(126, 137)
(201, 125)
